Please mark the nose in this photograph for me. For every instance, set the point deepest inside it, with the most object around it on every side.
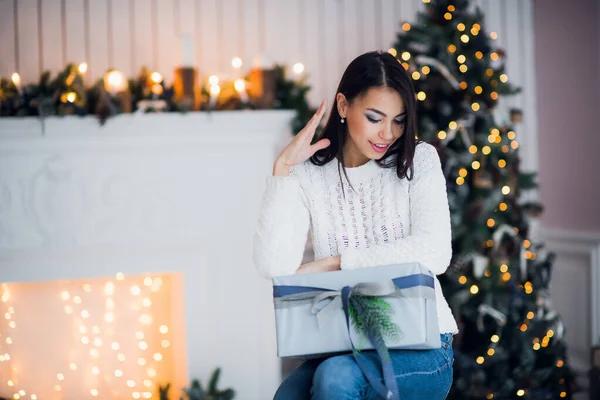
(386, 133)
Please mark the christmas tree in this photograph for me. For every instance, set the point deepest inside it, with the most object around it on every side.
(511, 343)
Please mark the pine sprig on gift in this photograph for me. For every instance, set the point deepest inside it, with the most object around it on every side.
(372, 317)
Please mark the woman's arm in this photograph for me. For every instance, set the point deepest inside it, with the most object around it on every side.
(430, 241)
(282, 226)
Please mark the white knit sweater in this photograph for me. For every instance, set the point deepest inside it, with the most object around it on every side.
(383, 221)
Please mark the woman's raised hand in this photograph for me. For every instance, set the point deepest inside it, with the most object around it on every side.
(300, 148)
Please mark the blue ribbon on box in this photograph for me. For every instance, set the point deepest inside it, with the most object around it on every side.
(295, 293)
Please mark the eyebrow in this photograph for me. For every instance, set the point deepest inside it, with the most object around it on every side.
(383, 114)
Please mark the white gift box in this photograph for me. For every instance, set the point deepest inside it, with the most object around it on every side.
(310, 316)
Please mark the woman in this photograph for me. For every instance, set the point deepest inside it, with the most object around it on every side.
(373, 196)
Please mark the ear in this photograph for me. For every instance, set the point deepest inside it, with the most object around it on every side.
(342, 104)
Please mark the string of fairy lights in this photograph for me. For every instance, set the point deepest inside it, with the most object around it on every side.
(495, 139)
(90, 336)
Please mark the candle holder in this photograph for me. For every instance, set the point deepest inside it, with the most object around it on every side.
(262, 87)
(185, 88)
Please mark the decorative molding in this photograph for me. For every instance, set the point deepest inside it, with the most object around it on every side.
(581, 243)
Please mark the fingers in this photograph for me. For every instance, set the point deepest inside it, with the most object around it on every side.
(316, 118)
(320, 145)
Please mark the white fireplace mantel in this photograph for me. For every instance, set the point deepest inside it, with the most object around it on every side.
(152, 193)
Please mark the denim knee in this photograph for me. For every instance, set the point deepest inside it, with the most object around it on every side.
(338, 377)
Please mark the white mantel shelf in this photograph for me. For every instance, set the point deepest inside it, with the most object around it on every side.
(152, 193)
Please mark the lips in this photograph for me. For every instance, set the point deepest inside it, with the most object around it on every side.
(380, 147)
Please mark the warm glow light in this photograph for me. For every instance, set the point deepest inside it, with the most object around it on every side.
(463, 85)
(505, 190)
(462, 280)
(463, 68)
(506, 276)
(461, 58)
(479, 55)
(460, 180)
(475, 106)
(520, 392)
(213, 80)
(494, 95)
(114, 346)
(77, 300)
(504, 78)
(94, 392)
(425, 70)
(491, 222)
(416, 75)
(452, 125)
(71, 96)
(530, 315)
(236, 62)
(85, 314)
(130, 383)
(158, 356)
(215, 90)
(165, 343)
(421, 96)
(135, 290)
(523, 328)
(406, 26)
(406, 56)
(474, 289)
(73, 366)
(503, 206)
(460, 27)
(489, 72)
(143, 345)
(147, 302)
(441, 135)
(475, 165)
(118, 373)
(109, 288)
(95, 370)
(494, 35)
(448, 16)
(121, 357)
(472, 149)
(120, 276)
(83, 67)
(480, 360)
(464, 38)
(60, 377)
(451, 48)
(486, 150)
(240, 85)
(163, 329)
(145, 319)
(156, 77)
(109, 317)
(393, 52)
(478, 90)
(514, 145)
(494, 56)
(115, 81)
(495, 338)
(491, 352)
(298, 68)
(16, 78)
(139, 335)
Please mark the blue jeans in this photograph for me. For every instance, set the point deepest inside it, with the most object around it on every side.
(420, 374)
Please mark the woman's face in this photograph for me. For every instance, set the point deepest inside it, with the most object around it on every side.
(375, 121)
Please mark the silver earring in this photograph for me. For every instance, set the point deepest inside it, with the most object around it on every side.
(342, 120)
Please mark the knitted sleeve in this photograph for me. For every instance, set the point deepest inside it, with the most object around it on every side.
(430, 241)
(282, 227)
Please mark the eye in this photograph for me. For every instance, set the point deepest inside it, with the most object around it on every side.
(401, 122)
(373, 120)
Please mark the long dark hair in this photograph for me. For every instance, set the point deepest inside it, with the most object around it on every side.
(369, 70)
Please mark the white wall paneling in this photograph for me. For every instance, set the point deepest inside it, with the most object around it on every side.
(575, 290)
